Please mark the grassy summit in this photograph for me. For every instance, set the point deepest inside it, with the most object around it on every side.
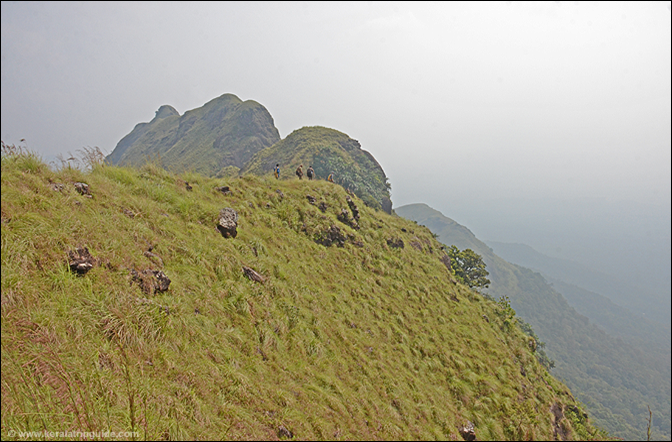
(356, 340)
(329, 152)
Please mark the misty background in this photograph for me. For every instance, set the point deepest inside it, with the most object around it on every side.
(541, 123)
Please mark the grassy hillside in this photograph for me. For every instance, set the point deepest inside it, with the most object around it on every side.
(329, 152)
(359, 341)
(222, 134)
(615, 379)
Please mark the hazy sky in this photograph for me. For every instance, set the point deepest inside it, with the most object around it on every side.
(459, 102)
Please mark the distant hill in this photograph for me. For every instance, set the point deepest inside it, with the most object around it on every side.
(130, 305)
(329, 152)
(616, 379)
(227, 137)
(637, 299)
(218, 138)
(613, 318)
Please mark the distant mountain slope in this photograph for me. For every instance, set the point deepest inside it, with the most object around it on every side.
(329, 152)
(615, 379)
(636, 299)
(225, 132)
(615, 319)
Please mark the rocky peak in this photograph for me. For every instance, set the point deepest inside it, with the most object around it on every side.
(165, 111)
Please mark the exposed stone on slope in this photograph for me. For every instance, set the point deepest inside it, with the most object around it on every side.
(468, 432)
(445, 259)
(81, 261)
(82, 188)
(224, 189)
(253, 275)
(353, 208)
(151, 281)
(344, 217)
(331, 236)
(228, 222)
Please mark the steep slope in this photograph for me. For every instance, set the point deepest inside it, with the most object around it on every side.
(329, 152)
(223, 133)
(616, 380)
(297, 327)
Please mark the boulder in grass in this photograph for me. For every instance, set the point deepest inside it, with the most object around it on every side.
(468, 432)
(151, 281)
(395, 243)
(228, 223)
(224, 189)
(81, 261)
(445, 259)
(83, 189)
(353, 208)
(252, 275)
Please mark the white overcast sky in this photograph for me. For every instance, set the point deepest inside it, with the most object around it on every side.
(455, 100)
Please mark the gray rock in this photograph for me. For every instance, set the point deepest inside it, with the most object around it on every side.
(228, 223)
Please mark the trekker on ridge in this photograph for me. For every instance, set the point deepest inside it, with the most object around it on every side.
(299, 171)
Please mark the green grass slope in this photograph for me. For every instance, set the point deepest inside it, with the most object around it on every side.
(329, 152)
(223, 133)
(364, 341)
(616, 380)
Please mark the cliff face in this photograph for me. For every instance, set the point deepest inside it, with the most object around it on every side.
(222, 133)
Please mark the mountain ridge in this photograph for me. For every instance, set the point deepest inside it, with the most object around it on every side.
(230, 137)
(224, 132)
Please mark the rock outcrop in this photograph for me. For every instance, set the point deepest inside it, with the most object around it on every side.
(151, 281)
(228, 223)
(81, 261)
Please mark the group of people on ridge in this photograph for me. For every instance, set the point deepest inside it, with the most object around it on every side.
(299, 172)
